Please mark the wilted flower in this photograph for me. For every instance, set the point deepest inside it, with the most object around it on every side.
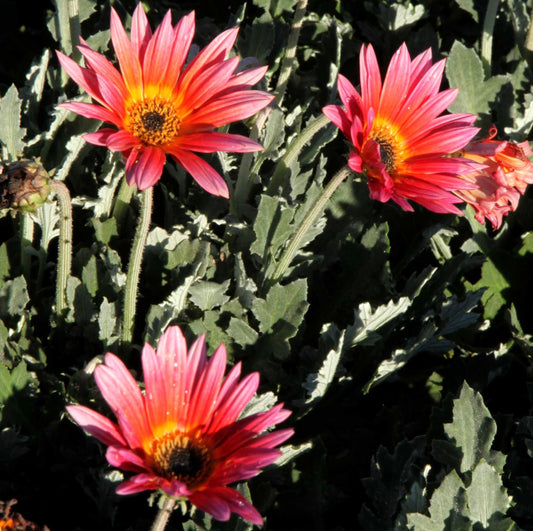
(159, 105)
(399, 140)
(183, 435)
(11, 521)
(505, 174)
(24, 185)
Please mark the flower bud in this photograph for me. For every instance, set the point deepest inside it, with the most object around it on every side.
(24, 185)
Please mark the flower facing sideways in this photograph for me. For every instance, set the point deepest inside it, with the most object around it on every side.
(159, 106)
(504, 175)
(184, 435)
(399, 140)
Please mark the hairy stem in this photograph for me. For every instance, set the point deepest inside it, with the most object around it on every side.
(245, 176)
(122, 200)
(294, 148)
(163, 515)
(26, 240)
(310, 218)
(64, 261)
(134, 266)
(287, 64)
(488, 32)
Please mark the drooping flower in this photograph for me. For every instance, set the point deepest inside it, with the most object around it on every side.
(159, 106)
(184, 435)
(504, 175)
(400, 141)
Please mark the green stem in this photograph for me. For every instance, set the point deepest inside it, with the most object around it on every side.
(64, 261)
(124, 195)
(26, 240)
(163, 515)
(292, 44)
(310, 218)
(293, 150)
(488, 32)
(134, 266)
(245, 176)
(528, 44)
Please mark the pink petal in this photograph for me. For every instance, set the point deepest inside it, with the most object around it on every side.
(216, 50)
(339, 118)
(103, 66)
(172, 354)
(210, 141)
(90, 110)
(97, 425)
(183, 35)
(100, 137)
(201, 172)
(139, 483)
(144, 167)
(156, 55)
(229, 108)
(122, 141)
(246, 78)
(123, 395)
(220, 501)
(125, 459)
(130, 65)
(155, 389)
(141, 32)
(205, 393)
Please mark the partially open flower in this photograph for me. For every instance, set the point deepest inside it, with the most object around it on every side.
(24, 185)
(504, 175)
(184, 435)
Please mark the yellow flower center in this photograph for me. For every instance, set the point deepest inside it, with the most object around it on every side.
(153, 121)
(178, 456)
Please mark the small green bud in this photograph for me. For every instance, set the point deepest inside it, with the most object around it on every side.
(24, 185)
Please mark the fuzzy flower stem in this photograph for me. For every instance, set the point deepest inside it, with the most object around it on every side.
(134, 266)
(292, 44)
(244, 181)
(488, 32)
(312, 215)
(163, 515)
(64, 261)
(26, 239)
(122, 200)
(294, 148)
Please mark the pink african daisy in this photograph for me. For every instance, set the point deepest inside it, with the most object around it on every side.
(399, 140)
(183, 435)
(159, 106)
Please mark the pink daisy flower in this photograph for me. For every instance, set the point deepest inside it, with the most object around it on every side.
(159, 106)
(183, 435)
(399, 140)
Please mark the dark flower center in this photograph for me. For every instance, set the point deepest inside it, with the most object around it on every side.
(177, 456)
(153, 121)
(185, 462)
(386, 153)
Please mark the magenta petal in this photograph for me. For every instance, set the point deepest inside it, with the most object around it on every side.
(201, 172)
(144, 167)
(211, 141)
(97, 425)
(125, 459)
(139, 483)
